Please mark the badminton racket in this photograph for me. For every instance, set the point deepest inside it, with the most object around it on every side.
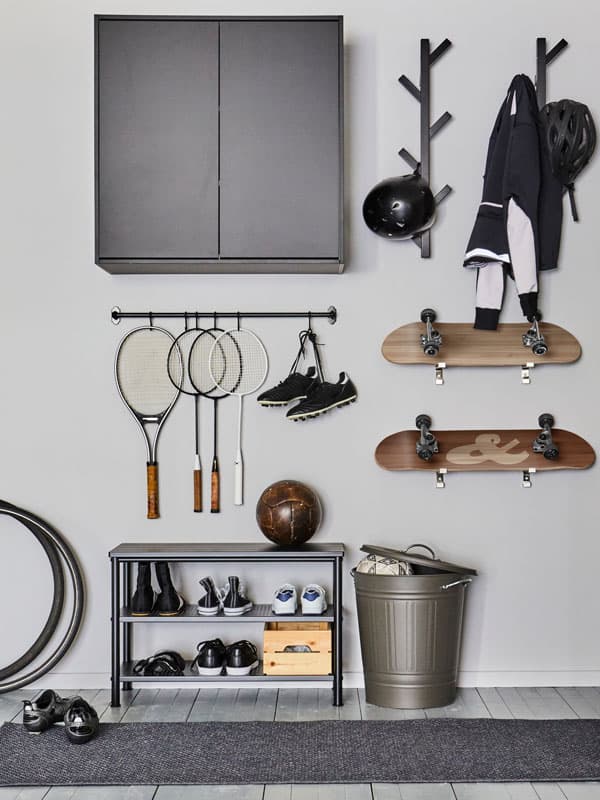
(199, 371)
(143, 382)
(177, 366)
(238, 365)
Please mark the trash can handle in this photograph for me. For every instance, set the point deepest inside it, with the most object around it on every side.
(424, 546)
(463, 581)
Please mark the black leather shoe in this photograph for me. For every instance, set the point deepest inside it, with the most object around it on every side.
(81, 721)
(323, 398)
(234, 602)
(210, 658)
(241, 658)
(142, 602)
(169, 603)
(44, 711)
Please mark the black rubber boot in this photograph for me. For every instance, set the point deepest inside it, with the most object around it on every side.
(168, 602)
(142, 602)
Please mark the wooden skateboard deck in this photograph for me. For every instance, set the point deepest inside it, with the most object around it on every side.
(464, 346)
(484, 450)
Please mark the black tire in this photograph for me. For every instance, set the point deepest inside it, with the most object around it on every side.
(64, 551)
(428, 314)
(545, 419)
(551, 453)
(423, 419)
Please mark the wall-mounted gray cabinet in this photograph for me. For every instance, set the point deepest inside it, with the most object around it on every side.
(219, 144)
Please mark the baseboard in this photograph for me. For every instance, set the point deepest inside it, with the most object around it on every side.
(352, 680)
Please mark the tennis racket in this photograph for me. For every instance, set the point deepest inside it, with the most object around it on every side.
(143, 382)
(238, 365)
(200, 377)
(177, 367)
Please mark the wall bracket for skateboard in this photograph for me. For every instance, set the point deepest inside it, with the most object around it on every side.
(524, 451)
(422, 95)
(459, 344)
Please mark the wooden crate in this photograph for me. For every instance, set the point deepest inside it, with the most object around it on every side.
(279, 635)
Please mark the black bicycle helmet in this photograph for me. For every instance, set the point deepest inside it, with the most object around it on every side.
(571, 139)
(400, 208)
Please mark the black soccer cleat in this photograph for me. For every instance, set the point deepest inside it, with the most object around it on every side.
(324, 397)
(241, 658)
(44, 711)
(142, 602)
(210, 659)
(295, 387)
(81, 721)
(168, 603)
(235, 603)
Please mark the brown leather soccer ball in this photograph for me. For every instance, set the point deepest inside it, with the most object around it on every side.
(288, 513)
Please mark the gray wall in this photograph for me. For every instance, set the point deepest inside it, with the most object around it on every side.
(70, 452)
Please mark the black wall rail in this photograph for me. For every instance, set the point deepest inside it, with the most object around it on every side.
(117, 315)
(423, 95)
(544, 57)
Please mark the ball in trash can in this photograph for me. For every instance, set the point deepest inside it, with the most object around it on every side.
(288, 512)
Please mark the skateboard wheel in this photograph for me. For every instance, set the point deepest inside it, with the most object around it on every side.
(545, 419)
(423, 419)
(551, 454)
(431, 350)
(540, 349)
(425, 455)
(428, 314)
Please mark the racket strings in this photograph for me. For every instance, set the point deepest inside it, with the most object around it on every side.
(238, 362)
(178, 359)
(199, 363)
(141, 371)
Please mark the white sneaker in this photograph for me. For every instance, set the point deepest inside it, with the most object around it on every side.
(314, 600)
(285, 600)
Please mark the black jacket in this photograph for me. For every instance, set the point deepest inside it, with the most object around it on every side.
(518, 225)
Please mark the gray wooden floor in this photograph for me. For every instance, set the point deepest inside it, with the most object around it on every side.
(209, 705)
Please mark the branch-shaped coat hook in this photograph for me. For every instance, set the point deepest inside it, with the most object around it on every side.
(428, 130)
(544, 57)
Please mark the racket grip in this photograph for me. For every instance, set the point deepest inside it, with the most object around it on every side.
(152, 483)
(214, 489)
(197, 490)
(238, 476)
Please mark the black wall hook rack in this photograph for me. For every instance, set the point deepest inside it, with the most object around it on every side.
(544, 57)
(117, 315)
(428, 130)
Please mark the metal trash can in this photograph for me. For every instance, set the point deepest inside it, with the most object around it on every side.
(410, 629)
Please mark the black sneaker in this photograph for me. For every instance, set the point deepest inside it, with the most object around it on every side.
(324, 397)
(44, 711)
(241, 658)
(210, 658)
(210, 603)
(235, 603)
(294, 387)
(81, 721)
(168, 603)
(142, 602)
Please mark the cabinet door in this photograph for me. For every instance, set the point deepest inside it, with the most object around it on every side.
(157, 139)
(280, 139)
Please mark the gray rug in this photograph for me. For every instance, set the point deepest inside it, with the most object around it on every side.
(412, 751)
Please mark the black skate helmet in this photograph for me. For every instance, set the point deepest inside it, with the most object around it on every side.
(400, 208)
(571, 139)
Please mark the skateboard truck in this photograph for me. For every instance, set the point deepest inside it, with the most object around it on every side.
(431, 340)
(534, 338)
(544, 443)
(427, 444)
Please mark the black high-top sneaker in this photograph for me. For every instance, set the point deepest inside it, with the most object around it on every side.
(295, 387)
(324, 397)
(210, 602)
(168, 603)
(234, 602)
(210, 658)
(144, 597)
(241, 658)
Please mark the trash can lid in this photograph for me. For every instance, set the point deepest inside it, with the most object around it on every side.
(418, 558)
